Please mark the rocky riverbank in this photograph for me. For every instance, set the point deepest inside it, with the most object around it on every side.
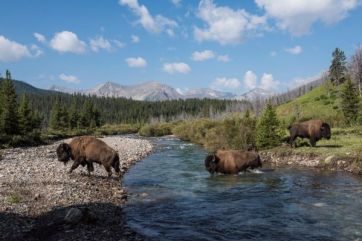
(39, 200)
(350, 162)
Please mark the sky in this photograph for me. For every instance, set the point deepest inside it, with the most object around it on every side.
(228, 45)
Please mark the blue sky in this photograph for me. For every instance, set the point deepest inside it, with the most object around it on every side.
(223, 44)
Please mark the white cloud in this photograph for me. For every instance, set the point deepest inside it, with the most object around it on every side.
(298, 16)
(12, 51)
(69, 78)
(171, 68)
(295, 50)
(225, 25)
(138, 62)
(36, 50)
(223, 58)
(203, 55)
(100, 43)
(67, 42)
(135, 39)
(226, 83)
(152, 24)
(41, 38)
(268, 82)
(176, 2)
(250, 79)
(118, 43)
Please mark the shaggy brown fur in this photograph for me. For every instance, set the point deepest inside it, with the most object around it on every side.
(87, 149)
(232, 161)
(314, 130)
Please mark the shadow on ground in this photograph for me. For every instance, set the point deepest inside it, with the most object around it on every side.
(104, 221)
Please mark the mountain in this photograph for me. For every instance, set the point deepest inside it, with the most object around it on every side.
(208, 93)
(22, 87)
(151, 91)
(255, 94)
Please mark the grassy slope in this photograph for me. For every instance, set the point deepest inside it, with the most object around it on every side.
(318, 103)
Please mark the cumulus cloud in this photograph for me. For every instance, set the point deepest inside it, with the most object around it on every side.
(298, 16)
(11, 51)
(100, 43)
(137, 62)
(223, 58)
(295, 50)
(152, 24)
(41, 38)
(67, 42)
(171, 68)
(36, 50)
(226, 83)
(273, 53)
(69, 78)
(250, 79)
(268, 82)
(225, 25)
(203, 55)
(176, 2)
(135, 39)
(118, 43)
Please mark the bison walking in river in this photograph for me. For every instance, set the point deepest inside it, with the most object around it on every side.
(232, 161)
(87, 149)
(314, 130)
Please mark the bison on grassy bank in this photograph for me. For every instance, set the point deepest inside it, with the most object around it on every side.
(87, 149)
(314, 130)
(232, 161)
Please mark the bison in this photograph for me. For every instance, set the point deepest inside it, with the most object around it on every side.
(312, 129)
(86, 150)
(232, 161)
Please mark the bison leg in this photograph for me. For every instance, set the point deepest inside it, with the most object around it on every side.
(74, 166)
(312, 142)
(108, 169)
(90, 167)
(291, 140)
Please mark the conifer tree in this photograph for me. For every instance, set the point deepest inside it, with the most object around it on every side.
(54, 122)
(268, 129)
(73, 115)
(350, 101)
(26, 121)
(9, 109)
(338, 68)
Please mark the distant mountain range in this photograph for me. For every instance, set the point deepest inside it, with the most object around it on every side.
(155, 91)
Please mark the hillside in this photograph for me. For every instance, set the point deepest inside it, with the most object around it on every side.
(322, 102)
(23, 87)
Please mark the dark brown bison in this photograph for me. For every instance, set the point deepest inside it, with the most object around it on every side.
(232, 161)
(87, 149)
(314, 130)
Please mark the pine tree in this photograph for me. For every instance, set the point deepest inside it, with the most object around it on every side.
(268, 129)
(9, 109)
(26, 117)
(338, 69)
(54, 122)
(73, 115)
(350, 101)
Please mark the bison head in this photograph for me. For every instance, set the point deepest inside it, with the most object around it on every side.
(211, 163)
(326, 131)
(64, 153)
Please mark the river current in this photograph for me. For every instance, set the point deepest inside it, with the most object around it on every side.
(173, 197)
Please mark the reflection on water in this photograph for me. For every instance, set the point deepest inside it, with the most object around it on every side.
(175, 198)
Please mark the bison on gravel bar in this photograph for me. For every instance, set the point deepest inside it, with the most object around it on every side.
(232, 161)
(314, 130)
(87, 149)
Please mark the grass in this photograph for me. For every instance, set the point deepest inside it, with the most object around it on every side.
(322, 102)
(14, 198)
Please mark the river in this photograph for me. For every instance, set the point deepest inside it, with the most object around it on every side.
(173, 197)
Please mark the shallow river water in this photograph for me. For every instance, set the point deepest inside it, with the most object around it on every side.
(175, 198)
